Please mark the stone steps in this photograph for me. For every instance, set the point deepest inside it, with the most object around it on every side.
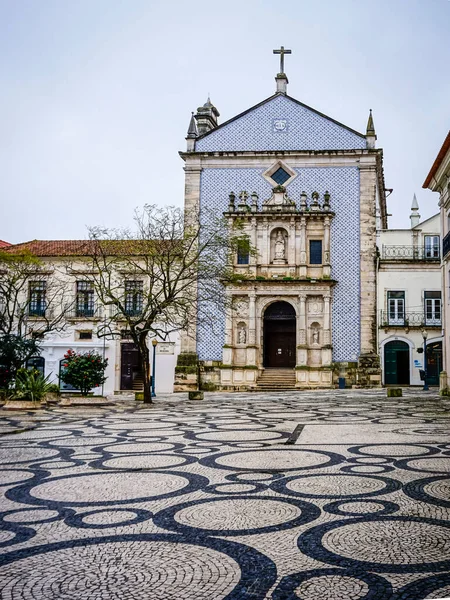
(276, 380)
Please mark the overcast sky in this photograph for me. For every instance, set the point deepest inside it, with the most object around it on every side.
(97, 94)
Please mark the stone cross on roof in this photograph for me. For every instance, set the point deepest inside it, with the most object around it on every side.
(282, 52)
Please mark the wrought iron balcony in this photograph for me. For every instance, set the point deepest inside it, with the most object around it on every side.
(446, 245)
(412, 252)
(86, 312)
(409, 319)
(36, 311)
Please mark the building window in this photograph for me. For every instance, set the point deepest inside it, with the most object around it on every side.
(36, 363)
(37, 304)
(133, 298)
(315, 252)
(432, 246)
(432, 308)
(243, 252)
(85, 299)
(280, 176)
(396, 308)
(85, 335)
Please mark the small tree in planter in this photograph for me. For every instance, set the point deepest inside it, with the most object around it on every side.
(84, 371)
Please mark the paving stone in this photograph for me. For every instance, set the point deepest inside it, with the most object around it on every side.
(221, 500)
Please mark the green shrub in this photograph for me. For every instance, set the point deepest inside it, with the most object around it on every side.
(31, 385)
(83, 371)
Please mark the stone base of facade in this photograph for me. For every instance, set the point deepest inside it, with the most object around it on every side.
(186, 372)
(368, 372)
(313, 377)
(238, 378)
(215, 376)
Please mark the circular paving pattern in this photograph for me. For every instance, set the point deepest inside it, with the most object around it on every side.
(108, 488)
(334, 485)
(361, 507)
(390, 544)
(160, 567)
(31, 515)
(435, 464)
(149, 461)
(25, 455)
(244, 515)
(237, 436)
(273, 460)
(332, 584)
(106, 518)
(393, 450)
(128, 448)
(434, 490)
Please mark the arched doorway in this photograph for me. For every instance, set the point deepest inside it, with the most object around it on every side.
(434, 362)
(279, 335)
(396, 363)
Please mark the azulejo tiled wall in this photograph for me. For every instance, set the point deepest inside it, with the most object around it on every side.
(281, 124)
(343, 185)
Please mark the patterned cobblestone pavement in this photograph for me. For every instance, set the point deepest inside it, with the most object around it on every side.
(316, 495)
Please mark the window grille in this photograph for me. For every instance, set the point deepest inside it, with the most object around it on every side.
(37, 303)
(432, 308)
(133, 298)
(85, 299)
(396, 308)
(432, 246)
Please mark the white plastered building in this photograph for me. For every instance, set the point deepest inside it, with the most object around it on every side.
(67, 259)
(409, 301)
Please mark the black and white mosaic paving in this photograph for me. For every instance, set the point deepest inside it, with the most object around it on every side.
(313, 496)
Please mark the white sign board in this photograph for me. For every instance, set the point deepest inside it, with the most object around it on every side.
(165, 348)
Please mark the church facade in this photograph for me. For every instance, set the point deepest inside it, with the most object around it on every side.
(308, 191)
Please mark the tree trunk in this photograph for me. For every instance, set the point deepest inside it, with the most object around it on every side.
(145, 363)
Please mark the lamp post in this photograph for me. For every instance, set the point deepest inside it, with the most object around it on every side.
(425, 383)
(154, 344)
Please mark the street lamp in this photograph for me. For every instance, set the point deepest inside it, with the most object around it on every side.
(154, 344)
(425, 383)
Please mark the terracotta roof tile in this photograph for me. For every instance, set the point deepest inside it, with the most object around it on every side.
(4, 244)
(437, 163)
(78, 247)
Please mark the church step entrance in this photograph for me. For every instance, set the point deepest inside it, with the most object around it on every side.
(276, 380)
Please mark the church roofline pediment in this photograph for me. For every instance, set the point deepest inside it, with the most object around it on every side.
(266, 101)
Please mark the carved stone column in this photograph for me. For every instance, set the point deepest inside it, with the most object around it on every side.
(302, 268)
(265, 245)
(301, 331)
(326, 241)
(252, 318)
(291, 251)
(253, 240)
(326, 320)
(251, 349)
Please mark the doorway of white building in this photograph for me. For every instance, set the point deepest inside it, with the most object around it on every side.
(130, 368)
(396, 363)
(434, 362)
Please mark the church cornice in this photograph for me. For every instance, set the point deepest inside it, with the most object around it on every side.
(277, 153)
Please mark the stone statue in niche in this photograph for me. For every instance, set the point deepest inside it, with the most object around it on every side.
(315, 336)
(242, 335)
(279, 247)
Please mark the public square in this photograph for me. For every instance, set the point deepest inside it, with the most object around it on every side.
(320, 495)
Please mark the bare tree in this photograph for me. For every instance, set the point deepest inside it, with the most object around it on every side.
(150, 280)
(33, 294)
